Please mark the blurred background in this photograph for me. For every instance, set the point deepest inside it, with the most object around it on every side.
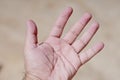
(15, 13)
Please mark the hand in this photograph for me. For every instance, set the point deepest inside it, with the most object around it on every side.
(59, 58)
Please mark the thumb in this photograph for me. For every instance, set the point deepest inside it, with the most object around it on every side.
(31, 36)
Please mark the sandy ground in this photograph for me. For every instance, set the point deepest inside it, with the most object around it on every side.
(15, 13)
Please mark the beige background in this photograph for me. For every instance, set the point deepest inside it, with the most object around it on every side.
(15, 13)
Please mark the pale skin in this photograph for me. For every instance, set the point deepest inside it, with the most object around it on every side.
(59, 58)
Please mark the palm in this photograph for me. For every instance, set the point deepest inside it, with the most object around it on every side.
(55, 61)
(66, 61)
(59, 58)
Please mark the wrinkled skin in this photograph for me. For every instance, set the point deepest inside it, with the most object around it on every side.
(59, 58)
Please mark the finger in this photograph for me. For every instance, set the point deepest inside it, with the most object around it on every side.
(31, 38)
(86, 56)
(60, 23)
(77, 28)
(84, 40)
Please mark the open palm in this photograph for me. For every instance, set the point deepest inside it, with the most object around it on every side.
(59, 58)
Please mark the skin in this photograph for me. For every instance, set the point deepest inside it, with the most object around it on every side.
(59, 58)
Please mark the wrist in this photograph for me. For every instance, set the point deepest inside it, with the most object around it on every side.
(31, 77)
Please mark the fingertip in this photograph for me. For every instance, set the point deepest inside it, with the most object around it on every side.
(88, 15)
(31, 23)
(31, 26)
(69, 8)
(95, 26)
(100, 46)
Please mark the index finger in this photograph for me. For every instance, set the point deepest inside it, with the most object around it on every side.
(60, 23)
